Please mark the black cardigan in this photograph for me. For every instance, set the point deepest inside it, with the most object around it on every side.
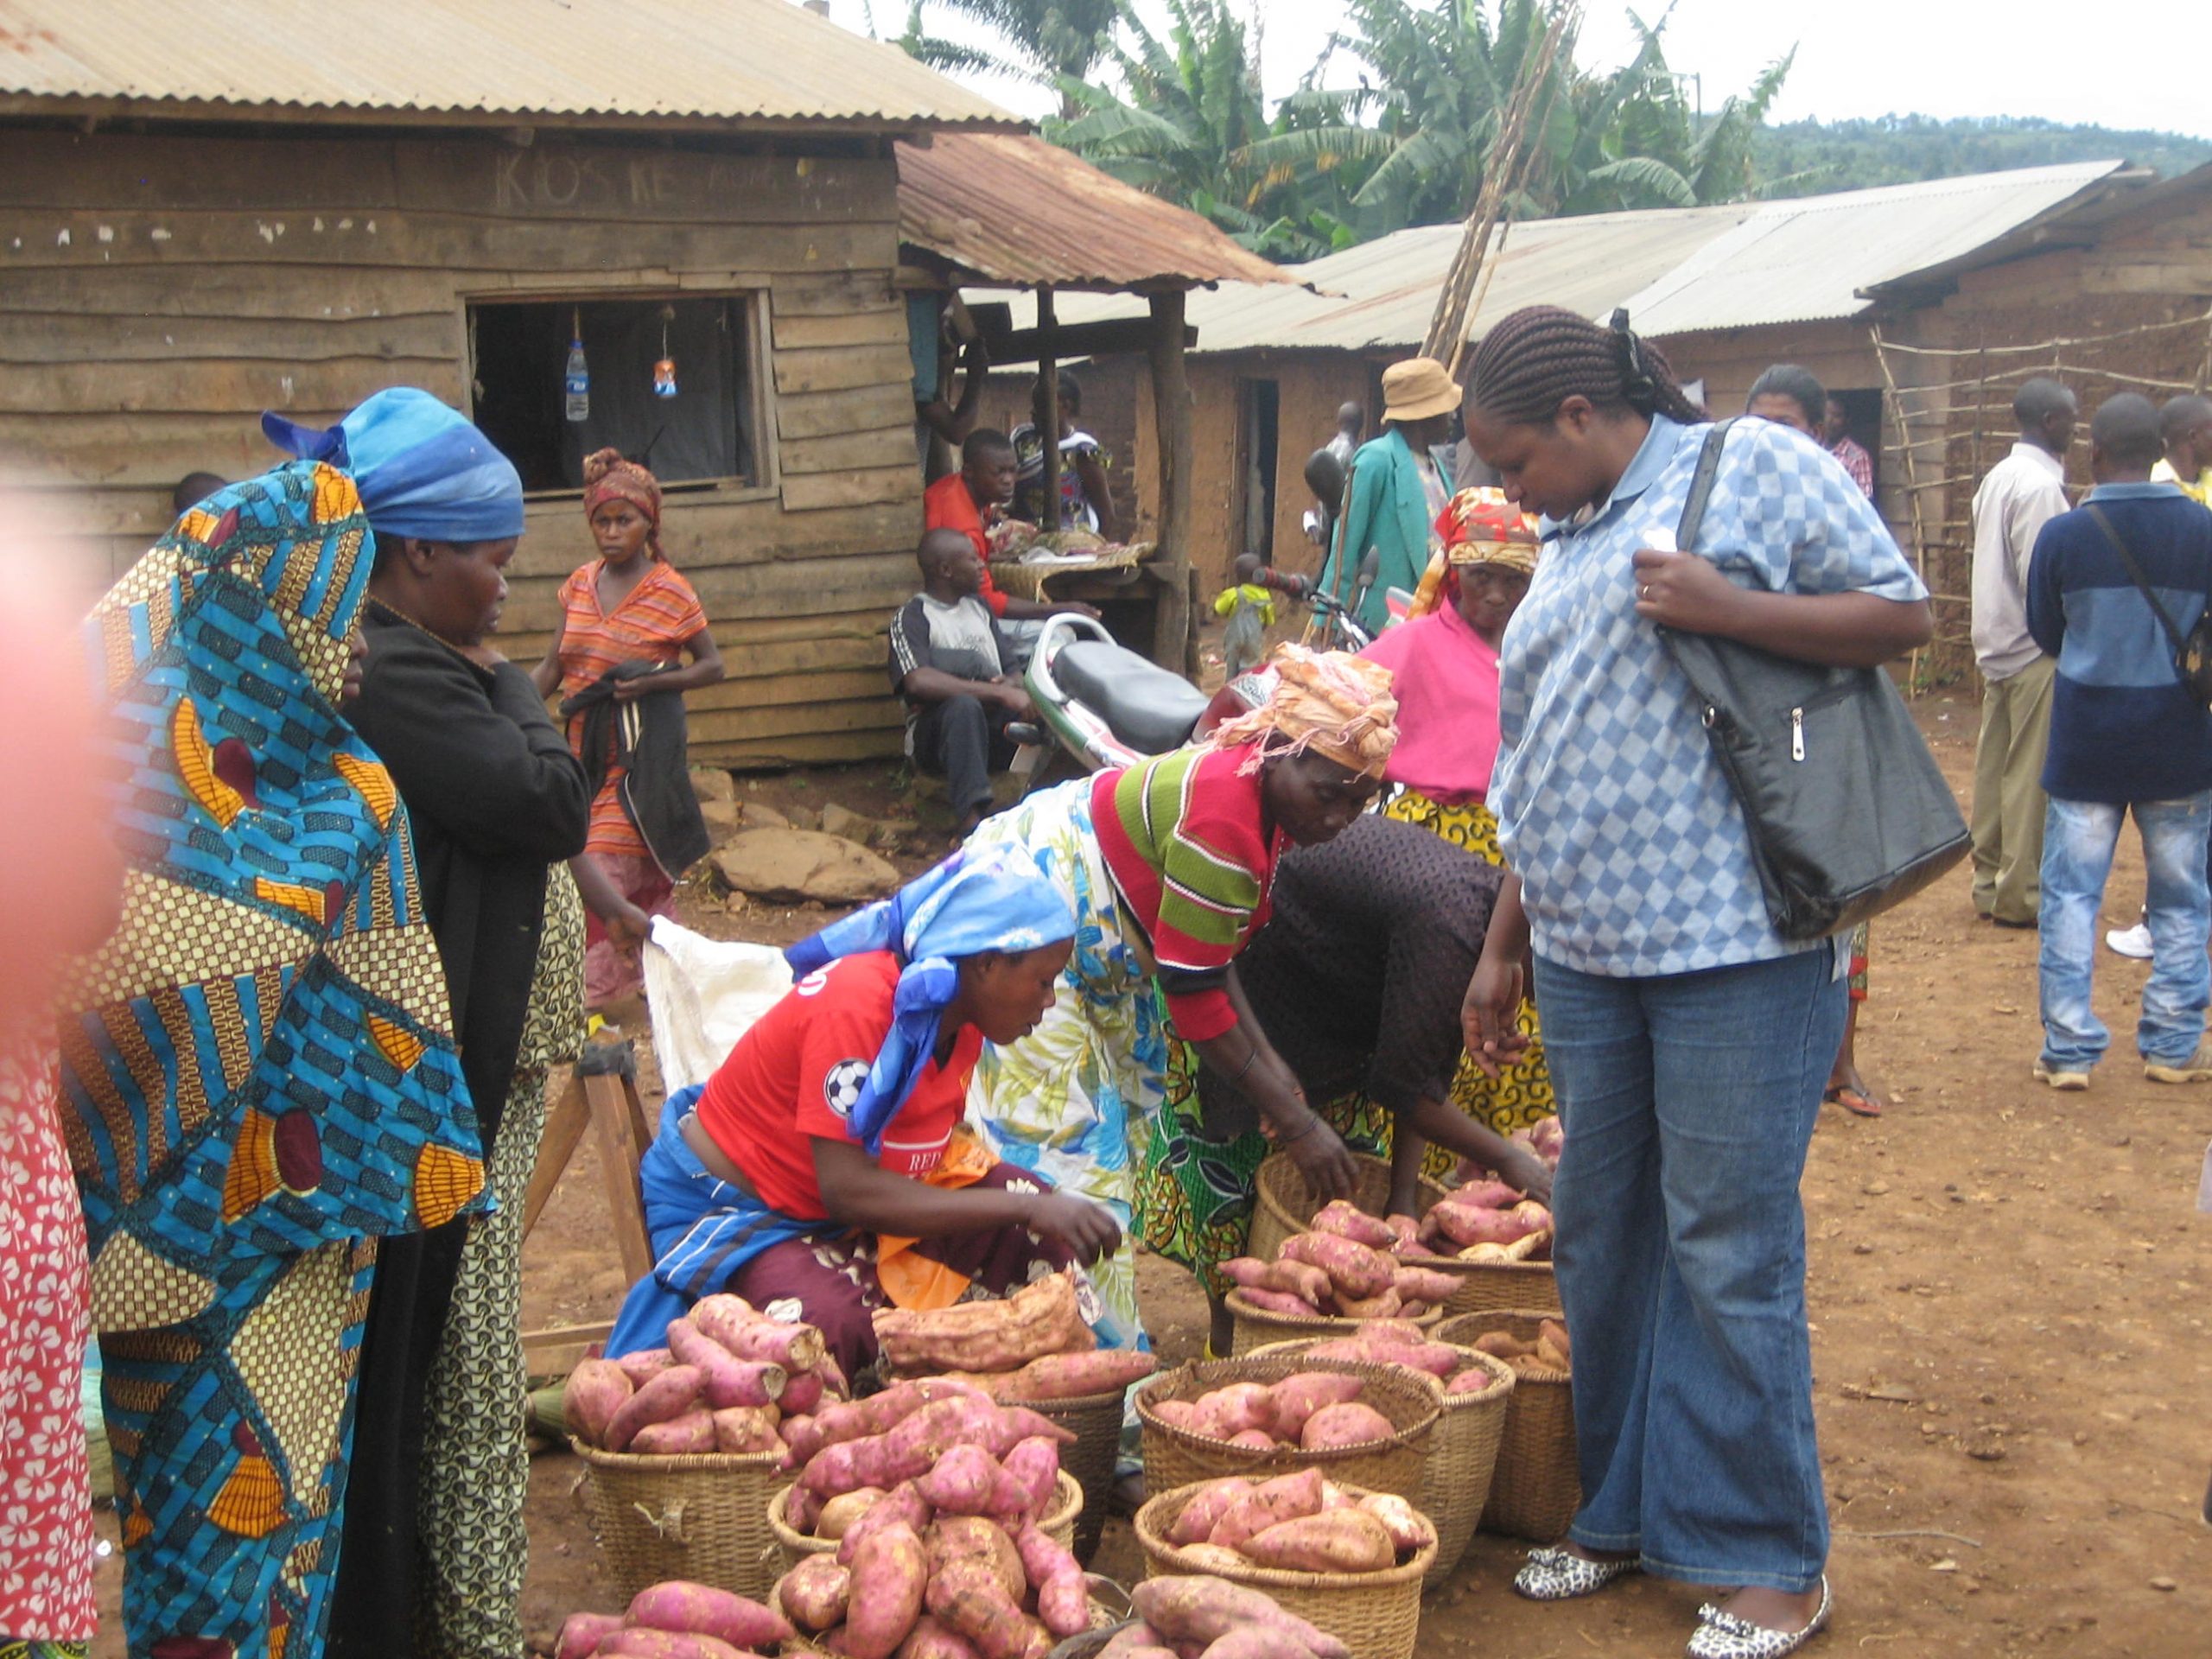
(494, 796)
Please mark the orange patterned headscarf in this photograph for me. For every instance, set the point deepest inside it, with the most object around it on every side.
(608, 477)
(1329, 701)
(1479, 526)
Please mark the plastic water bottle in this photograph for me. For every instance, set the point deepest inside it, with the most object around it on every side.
(579, 382)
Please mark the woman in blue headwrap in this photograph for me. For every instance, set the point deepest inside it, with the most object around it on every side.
(821, 1172)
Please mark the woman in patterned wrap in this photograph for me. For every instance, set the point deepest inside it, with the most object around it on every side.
(259, 1067)
(1167, 865)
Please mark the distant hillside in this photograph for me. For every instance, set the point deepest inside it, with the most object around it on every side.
(1807, 158)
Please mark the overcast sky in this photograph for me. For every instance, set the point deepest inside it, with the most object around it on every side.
(1855, 57)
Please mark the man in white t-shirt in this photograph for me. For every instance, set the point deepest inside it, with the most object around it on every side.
(949, 661)
(2023, 492)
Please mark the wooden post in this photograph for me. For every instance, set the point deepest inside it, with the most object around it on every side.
(1048, 430)
(1173, 641)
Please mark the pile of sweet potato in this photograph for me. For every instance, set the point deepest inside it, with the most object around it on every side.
(676, 1620)
(1550, 1351)
(989, 1336)
(1487, 1221)
(934, 1494)
(1315, 1411)
(1348, 1267)
(1302, 1523)
(730, 1380)
(1206, 1617)
(1393, 1342)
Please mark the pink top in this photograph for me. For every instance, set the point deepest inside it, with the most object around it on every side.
(1446, 685)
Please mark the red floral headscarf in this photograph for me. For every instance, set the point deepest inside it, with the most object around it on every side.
(607, 477)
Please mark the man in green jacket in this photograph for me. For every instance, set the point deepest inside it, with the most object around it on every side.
(1395, 491)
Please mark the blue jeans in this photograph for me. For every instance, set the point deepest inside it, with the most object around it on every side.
(2079, 837)
(1688, 1101)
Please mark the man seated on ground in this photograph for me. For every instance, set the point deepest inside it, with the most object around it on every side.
(949, 661)
(971, 501)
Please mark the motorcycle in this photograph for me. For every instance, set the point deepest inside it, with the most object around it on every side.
(1100, 704)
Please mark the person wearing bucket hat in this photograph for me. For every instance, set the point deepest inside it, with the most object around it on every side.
(1443, 659)
(1396, 490)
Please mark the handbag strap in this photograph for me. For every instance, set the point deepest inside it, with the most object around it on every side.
(1708, 468)
(2142, 584)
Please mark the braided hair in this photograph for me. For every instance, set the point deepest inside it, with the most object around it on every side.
(1538, 357)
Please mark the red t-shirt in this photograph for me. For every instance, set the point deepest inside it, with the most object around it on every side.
(946, 505)
(793, 1077)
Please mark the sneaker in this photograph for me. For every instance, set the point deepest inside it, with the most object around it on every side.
(2130, 941)
(2197, 1068)
(2071, 1080)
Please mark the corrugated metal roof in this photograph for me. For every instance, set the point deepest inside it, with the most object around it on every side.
(1812, 258)
(1011, 208)
(636, 61)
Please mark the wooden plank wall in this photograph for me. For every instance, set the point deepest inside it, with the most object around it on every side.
(157, 293)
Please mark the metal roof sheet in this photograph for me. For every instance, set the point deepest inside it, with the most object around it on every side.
(1010, 208)
(636, 61)
(1811, 258)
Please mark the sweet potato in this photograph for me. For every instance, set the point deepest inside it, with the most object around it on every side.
(1281, 1301)
(969, 1537)
(1500, 1344)
(1487, 1194)
(1129, 1639)
(669, 1394)
(581, 1633)
(747, 1429)
(1250, 1641)
(1410, 1530)
(1016, 1424)
(730, 1381)
(1349, 1424)
(802, 1391)
(801, 1508)
(1353, 1268)
(1466, 1225)
(1034, 1465)
(701, 1610)
(801, 1439)
(637, 1642)
(597, 1388)
(1063, 1601)
(1529, 1210)
(1286, 1498)
(1473, 1380)
(679, 1437)
(1436, 1358)
(931, 1640)
(731, 1321)
(1371, 1307)
(890, 1575)
(1037, 1319)
(1298, 1396)
(1205, 1557)
(814, 1594)
(903, 1506)
(841, 1512)
(1343, 1541)
(1553, 1332)
(1423, 1285)
(1204, 1610)
(1298, 1278)
(1254, 1439)
(962, 1481)
(1068, 1376)
(1230, 1410)
(1176, 1413)
(1201, 1513)
(1347, 1220)
(645, 1364)
(970, 1602)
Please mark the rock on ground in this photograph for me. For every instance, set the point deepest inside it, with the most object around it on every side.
(793, 865)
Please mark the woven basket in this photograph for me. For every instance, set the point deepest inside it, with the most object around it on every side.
(792, 1547)
(1377, 1615)
(1175, 1457)
(1256, 1327)
(1537, 1485)
(1095, 1420)
(1282, 1205)
(1498, 1287)
(1456, 1475)
(701, 1518)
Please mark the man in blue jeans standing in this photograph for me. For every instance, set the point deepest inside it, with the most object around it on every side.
(2125, 735)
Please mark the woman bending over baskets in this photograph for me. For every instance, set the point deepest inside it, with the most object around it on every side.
(1688, 1041)
(1167, 865)
(822, 1174)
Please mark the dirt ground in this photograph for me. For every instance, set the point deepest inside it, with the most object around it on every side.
(2009, 1296)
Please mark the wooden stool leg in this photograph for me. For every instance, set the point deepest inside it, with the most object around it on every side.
(564, 1132)
(617, 1125)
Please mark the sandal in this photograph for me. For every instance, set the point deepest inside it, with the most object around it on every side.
(1556, 1574)
(1857, 1102)
(1724, 1636)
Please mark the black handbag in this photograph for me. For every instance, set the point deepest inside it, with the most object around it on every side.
(2192, 656)
(1847, 811)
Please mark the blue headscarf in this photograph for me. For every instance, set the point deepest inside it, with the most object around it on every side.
(421, 469)
(991, 899)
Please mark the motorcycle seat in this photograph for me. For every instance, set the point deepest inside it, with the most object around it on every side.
(1145, 706)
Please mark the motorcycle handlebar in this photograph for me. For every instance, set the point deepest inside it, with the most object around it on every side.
(1249, 568)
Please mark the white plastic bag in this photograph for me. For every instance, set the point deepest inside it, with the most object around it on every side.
(704, 994)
